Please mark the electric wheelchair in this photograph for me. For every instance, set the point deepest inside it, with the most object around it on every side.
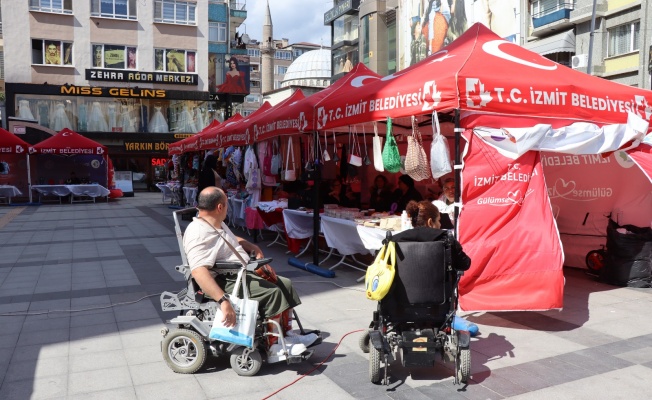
(186, 343)
(414, 321)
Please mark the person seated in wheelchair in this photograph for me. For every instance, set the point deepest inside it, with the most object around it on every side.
(204, 246)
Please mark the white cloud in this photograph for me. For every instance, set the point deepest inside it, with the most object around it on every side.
(295, 20)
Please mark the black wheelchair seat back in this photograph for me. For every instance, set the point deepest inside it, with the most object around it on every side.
(422, 287)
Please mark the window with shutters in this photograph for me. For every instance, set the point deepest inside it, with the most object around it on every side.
(175, 12)
(624, 38)
(119, 9)
(51, 6)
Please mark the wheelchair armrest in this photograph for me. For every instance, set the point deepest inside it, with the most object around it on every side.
(227, 265)
(254, 264)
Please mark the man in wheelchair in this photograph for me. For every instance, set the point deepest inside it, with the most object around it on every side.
(204, 244)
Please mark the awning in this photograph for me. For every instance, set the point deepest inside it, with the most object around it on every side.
(559, 43)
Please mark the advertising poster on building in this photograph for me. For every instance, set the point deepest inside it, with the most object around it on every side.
(236, 75)
(427, 26)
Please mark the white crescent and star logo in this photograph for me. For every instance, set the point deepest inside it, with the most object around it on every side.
(493, 47)
(358, 81)
(19, 149)
(67, 133)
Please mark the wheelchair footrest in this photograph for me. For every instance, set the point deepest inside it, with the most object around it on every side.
(300, 358)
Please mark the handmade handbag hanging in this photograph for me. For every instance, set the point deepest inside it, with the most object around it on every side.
(290, 174)
(354, 159)
(391, 156)
(276, 158)
(366, 159)
(336, 158)
(416, 160)
(440, 162)
(378, 150)
(325, 156)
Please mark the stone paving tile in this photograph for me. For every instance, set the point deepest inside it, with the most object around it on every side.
(99, 360)
(41, 388)
(639, 356)
(37, 369)
(182, 390)
(125, 393)
(98, 380)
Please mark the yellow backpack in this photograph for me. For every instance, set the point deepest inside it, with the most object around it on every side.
(380, 274)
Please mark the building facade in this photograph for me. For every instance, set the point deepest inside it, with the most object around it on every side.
(390, 35)
(129, 74)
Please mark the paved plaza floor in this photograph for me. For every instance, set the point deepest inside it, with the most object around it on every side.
(80, 318)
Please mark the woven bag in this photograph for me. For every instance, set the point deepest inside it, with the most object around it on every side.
(391, 156)
(416, 160)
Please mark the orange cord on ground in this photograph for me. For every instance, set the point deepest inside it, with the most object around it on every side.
(312, 370)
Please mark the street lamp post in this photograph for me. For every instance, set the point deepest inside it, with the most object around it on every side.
(590, 60)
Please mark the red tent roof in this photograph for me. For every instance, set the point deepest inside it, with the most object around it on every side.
(191, 143)
(299, 116)
(238, 134)
(212, 138)
(68, 142)
(482, 73)
(10, 143)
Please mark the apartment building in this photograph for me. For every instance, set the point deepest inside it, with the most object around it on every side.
(561, 31)
(133, 75)
(390, 35)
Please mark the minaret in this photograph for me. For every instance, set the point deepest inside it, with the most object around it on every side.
(267, 54)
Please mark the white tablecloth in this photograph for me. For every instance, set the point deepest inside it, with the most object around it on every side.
(298, 224)
(371, 238)
(9, 191)
(190, 193)
(91, 190)
(168, 192)
(342, 235)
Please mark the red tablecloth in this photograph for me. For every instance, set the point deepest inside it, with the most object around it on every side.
(276, 217)
(253, 219)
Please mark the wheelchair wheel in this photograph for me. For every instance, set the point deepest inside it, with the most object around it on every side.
(246, 365)
(363, 342)
(463, 365)
(374, 365)
(184, 351)
(595, 260)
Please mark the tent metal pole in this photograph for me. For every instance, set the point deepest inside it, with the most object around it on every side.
(458, 162)
(315, 201)
(29, 179)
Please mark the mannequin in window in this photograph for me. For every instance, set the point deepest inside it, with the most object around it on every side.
(24, 111)
(96, 120)
(234, 81)
(60, 118)
(348, 66)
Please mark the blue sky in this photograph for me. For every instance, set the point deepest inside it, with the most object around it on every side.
(296, 20)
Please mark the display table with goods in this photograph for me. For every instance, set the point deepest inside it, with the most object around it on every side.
(7, 192)
(170, 191)
(77, 193)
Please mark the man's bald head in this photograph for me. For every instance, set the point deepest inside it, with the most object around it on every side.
(210, 197)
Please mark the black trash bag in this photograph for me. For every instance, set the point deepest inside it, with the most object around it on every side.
(628, 261)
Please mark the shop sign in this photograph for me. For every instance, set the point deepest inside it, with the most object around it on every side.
(182, 135)
(113, 92)
(158, 162)
(339, 10)
(119, 75)
(19, 130)
(146, 146)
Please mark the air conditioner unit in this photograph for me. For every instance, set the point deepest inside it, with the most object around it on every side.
(580, 61)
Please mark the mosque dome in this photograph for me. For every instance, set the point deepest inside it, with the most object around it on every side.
(312, 68)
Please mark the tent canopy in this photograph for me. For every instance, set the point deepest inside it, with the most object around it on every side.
(68, 143)
(10, 143)
(238, 134)
(482, 73)
(191, 143)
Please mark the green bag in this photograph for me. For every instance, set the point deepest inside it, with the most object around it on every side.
(391, 157)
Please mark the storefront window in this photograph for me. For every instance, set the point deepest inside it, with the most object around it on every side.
(344, 58)
(364, 34)
(114, 57)
(174, 60)
(345, 28)
(51, 52)
(391, 46)
(102, 114)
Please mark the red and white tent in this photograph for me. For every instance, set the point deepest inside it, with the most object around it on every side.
(192, 143)
(68, 143)
(237, 134)
(548, 152)
(15, 161)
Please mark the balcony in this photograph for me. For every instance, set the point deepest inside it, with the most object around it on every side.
(238, 11)
(552, 15)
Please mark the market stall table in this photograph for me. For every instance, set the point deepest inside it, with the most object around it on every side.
(169, 191)
(298, 225)
(9, 191)
(342, 235)
(273, 220)
(190, 194)
(78, 193)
